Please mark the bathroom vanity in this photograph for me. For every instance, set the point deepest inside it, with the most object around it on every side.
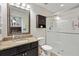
(25, 47)
(17, 41)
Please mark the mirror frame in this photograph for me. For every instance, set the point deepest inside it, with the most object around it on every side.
(8, 21)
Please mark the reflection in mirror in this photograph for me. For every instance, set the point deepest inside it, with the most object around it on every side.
(19, 20)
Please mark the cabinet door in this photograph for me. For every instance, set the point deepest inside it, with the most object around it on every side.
(34, 44)
(33, 52)
(23, 48)
(22, 54)
(8, 52)
(29, 53)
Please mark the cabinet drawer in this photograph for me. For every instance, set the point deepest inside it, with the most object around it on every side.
(33, 52)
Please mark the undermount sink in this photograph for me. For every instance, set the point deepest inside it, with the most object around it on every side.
(20, 41)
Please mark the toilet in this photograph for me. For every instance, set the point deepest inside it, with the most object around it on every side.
(46, 49)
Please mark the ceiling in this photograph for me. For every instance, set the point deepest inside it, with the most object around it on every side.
(56, 8)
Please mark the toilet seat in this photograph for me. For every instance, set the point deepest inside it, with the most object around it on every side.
(46, 47)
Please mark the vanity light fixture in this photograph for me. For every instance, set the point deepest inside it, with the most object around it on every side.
(11, 3)
(28, 7)
(18, 5)
(23, 4)
(15, 4)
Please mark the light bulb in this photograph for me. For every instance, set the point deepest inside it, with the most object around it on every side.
(28, 6)
(18, 5)
(23, 4)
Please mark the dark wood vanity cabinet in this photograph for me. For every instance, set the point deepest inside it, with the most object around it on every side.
(8, 52)
(30, 49)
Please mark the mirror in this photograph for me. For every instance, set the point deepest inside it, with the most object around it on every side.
(19, 20)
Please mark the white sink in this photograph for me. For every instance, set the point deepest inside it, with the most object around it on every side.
(21, 41)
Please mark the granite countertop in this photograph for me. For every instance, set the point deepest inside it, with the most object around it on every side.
(12, 43)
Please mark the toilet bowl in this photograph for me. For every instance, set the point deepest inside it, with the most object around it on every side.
(46, 49)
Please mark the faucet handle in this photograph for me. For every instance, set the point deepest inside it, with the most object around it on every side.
(13, 36)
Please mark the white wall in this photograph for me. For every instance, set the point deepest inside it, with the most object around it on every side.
(35, 10)
(4, 19)
(63, 38)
